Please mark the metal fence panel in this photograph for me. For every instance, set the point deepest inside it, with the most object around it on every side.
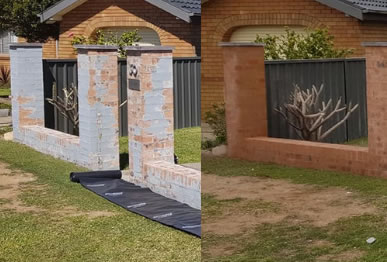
(335, 74)
(64, 74)
(355, 78)
(186, 87)
(123, 96)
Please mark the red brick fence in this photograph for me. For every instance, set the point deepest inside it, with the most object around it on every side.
(246, 115)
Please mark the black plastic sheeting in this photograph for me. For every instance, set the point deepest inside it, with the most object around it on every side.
(142, 201)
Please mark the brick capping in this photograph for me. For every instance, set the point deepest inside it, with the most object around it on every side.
(239, 44)
(374, 44)
(97, 47)
(149, 48)
(25, 45)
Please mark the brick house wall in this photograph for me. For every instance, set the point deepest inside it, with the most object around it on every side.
(4, 60)
(92, 15)
(221, 17)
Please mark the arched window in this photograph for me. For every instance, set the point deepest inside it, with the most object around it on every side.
(148, 35)
(249, 33)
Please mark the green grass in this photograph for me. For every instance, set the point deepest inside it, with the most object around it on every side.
(288, 241)
(46, 236)
(359, 142)
(5, 92)
(187, 147)
(5, 106)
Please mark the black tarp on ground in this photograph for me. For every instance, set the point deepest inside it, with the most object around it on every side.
(142, 201)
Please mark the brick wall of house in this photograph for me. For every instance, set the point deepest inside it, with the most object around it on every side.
(221, 17)
(87, 18)
(4, 60)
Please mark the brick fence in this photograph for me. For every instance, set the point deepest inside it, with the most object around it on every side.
(150, 111)
(245, 97)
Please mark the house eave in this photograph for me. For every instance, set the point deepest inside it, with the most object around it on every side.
(344, 7)
(55, 12)
(183, 15)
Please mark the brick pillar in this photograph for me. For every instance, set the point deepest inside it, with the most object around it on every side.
(150, 107)
(98, 106)
(27, 86)
(376, 62)
(245, 94)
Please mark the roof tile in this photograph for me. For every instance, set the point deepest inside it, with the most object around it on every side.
(371, 5)
(191, 6)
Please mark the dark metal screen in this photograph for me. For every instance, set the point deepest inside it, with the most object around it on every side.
(345, 78)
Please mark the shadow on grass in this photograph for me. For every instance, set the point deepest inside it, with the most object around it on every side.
(124, 161)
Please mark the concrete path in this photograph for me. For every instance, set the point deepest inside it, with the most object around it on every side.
(5, 121)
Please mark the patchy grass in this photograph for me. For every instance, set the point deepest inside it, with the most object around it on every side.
(187, 147)
(50, 236)
(231, 167)
(291, 239)
(359, 142)
(5, 92)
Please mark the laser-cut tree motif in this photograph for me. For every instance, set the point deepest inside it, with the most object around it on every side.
(68, 105)
(309, 117)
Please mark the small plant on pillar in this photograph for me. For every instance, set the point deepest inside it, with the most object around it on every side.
(304, 113)
(68, 105)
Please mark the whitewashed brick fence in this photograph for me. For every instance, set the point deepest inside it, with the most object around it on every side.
(150, 111)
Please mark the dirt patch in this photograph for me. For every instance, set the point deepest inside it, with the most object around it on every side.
(346, 256)
(4, 169)
(222, 250)
(298, 203)
(320, 243)
(12, 183)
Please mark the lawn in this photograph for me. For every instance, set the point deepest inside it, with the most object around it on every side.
(290, 214)
(52, 219)
(187, 146)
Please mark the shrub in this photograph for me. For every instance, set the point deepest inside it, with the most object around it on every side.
(315, 44)
(5, 75)
(216, 118)
(207, 144)
(5, 106)
(128, 38)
